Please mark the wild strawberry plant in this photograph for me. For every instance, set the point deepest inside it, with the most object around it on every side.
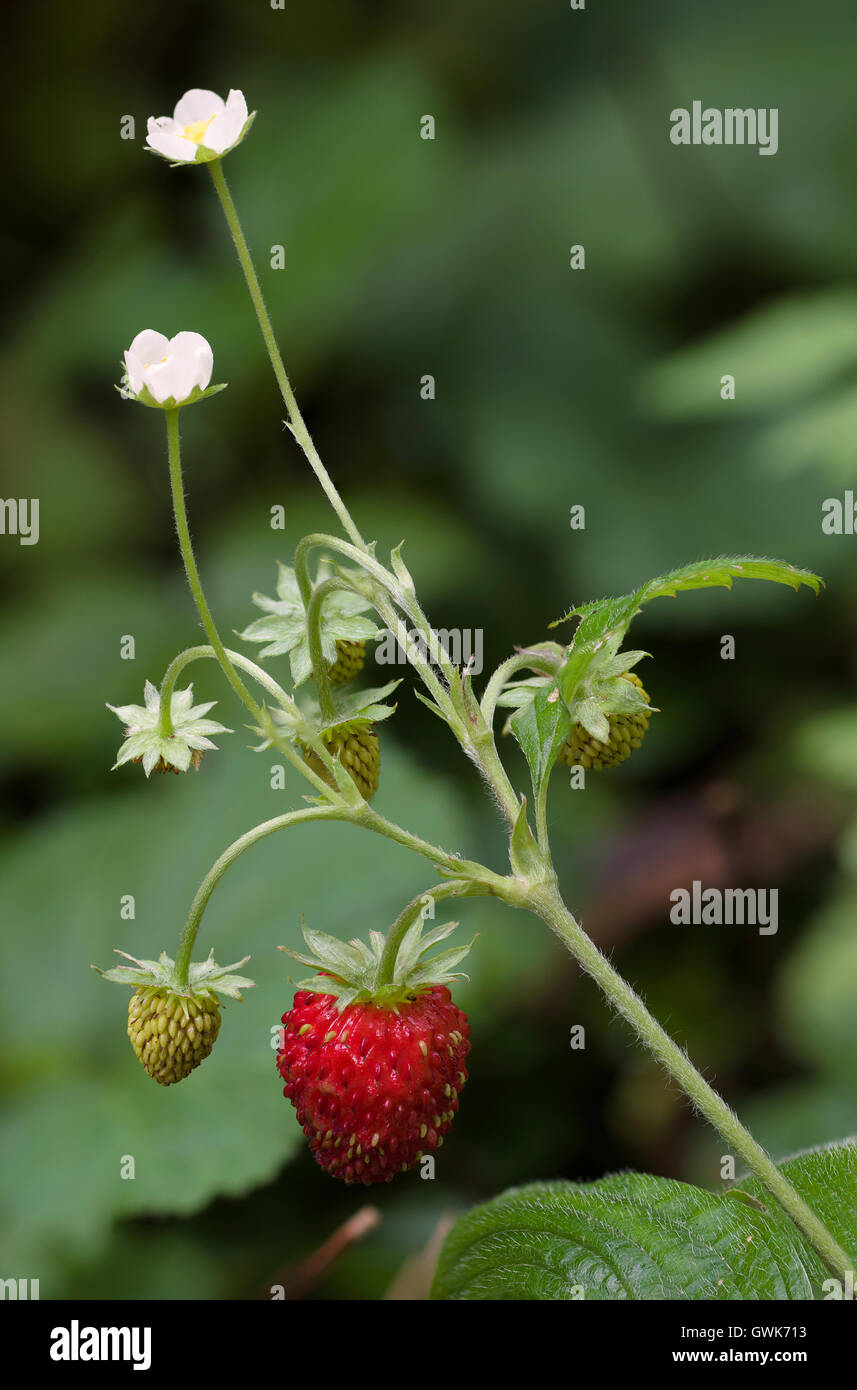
(373, 1049)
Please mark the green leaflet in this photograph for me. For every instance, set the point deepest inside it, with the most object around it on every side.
(702, 574)
(633, 1236)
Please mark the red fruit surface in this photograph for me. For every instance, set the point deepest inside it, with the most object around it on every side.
(374, 1089)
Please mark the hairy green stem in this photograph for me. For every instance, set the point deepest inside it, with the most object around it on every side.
(320, 669)
(521, 661)
(296, 420)
(363, 817)
(385, 603)
(406, 919)
(546, 902)
(191, 654)
(192, 572)
(479, 745)
(227, 858)
(190, 565)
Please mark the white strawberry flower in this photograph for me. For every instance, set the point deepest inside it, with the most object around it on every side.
(168, 372)
(144, 741)
(202, 127)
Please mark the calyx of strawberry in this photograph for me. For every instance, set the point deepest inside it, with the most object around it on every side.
(355, 972)
(206, 979)
(283, 627)
(601, 691)
(353, 711)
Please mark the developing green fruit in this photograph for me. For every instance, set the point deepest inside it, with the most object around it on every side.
(358, 750)
(349, 661)
(171, 1033)
(626, 733)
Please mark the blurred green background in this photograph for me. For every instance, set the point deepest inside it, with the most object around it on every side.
(554, 388)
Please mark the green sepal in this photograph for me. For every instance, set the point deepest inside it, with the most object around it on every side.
(350, 971)
(145, 397)
(357, 709)
(205, 978)
(283, 626)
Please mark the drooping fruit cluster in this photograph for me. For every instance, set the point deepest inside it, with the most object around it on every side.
(171, 1034)
(626, 733)
(349, 662)
(174, 1016)
(375, 1069)
(357, 748)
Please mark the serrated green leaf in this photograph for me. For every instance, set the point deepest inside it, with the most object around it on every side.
(632, 1236)
(611, 613)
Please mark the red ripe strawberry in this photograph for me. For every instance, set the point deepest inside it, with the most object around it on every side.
(374, 1070)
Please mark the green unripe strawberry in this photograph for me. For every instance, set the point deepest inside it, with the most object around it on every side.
(349, 661)
(174, 1015)
(626, 733)
(171, 1033)
(358, 750)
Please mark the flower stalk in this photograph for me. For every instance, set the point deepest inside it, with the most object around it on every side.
(296, 420)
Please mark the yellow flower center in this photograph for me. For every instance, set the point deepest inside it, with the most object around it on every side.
(196, 131)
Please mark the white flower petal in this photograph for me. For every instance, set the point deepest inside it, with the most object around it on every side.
(235, 102)
(223, 131)
(152, 696)
(164, 125)
(197, 351)
(174, 147)
(197, 105)
(173, 378)
(149, 346)
(134, 368)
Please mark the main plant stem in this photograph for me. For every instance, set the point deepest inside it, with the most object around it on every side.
(547, 904)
